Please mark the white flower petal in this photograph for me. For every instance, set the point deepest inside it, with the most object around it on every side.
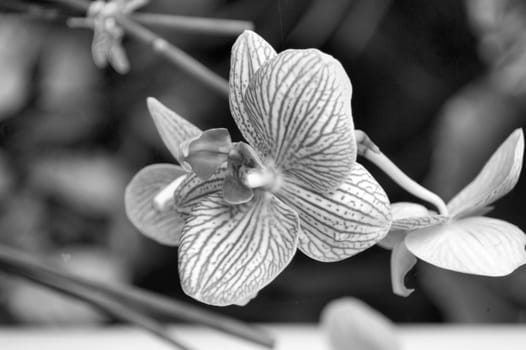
(498, 177)
(173, 128)
(411, 216)
(228, 253)
(299, 104)
(162, 226)
(249, 53)
(477, 245)
(414, 223)
(341, 223)
(402, 261)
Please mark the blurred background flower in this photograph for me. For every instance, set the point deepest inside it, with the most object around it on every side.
(437, 85)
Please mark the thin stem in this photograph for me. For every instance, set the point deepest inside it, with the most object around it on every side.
(141, 299)
(368, 150)
(198, 25)
(174, 54)
(108, 306)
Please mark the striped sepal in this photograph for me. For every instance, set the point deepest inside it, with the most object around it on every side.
(414, 223)
(344, 222)
(193, 190)
(164, 227)
(498, 177)
(477, 245)
(173, 128)
(249, 53)
(299, 104)
(228, 253)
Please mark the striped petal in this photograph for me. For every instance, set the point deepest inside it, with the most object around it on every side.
(402, 261)
(408, 217)
(162, 226)
(249, 53)
(411, 216)
(228, 253)
(299, 105)
(477, 245)
(498, 177)
(193, 190)
(173, 128)
(344, 222)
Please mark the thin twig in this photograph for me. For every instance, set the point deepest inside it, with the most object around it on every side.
(174, 54)
(108, 306)
(197, 25)
(146, 300)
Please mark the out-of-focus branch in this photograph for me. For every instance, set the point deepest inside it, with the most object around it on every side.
(175, 55)
(135, 298)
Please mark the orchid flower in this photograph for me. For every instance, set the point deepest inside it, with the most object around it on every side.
(463, 240)
(247, 207)
(107, 34)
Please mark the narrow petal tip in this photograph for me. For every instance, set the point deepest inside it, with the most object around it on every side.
(173, 129)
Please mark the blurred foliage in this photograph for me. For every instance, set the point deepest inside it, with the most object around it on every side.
(424, 74)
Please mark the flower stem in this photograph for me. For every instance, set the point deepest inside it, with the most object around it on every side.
(198, 25)
(134, 298)
(368, 150)
(175, 55)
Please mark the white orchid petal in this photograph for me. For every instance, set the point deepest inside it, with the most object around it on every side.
(498, 177)
(477, 245)
(228, 253)
(162, 226)
(249, 53)
(402, 261)
(341, 223)
(173, 128)
(411, 224)
(299, 105)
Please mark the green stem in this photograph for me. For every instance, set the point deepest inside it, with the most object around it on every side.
(368, 150)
